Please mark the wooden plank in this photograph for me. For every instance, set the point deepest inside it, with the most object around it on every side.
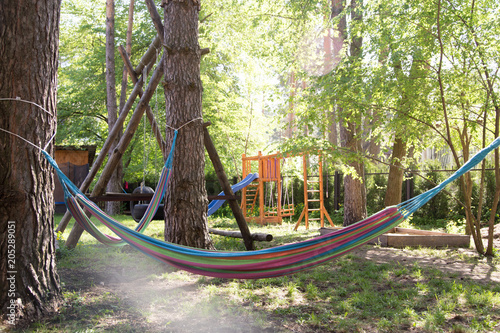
(400, 230)
(414, 238)
(404, 240)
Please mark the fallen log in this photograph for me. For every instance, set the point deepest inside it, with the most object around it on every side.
(236, 234)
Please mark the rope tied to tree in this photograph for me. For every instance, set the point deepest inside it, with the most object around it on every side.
(185, 124)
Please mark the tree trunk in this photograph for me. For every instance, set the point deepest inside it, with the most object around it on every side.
(185, 198)
(350, 138)
(332, 128)
(114, 185)
(29, 284)
(128, 49)
(491, 222)
(354, 187)
(396, 173)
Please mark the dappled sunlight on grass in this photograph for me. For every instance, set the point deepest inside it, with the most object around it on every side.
(370, 289)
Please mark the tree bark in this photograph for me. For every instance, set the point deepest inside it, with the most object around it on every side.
(350, 138)
(185, 199)
(114, 185)
(396, 173)
(128, 49)
(29, 284)
(354, 186)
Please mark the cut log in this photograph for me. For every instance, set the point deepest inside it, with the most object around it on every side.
(236, 234)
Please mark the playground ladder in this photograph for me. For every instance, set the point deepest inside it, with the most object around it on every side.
(251, 194)
(317, 188)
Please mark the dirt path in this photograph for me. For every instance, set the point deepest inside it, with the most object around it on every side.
(483, 271)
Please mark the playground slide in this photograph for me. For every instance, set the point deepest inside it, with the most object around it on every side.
(216, 204)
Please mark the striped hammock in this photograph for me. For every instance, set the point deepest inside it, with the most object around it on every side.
(265, 263)
(72, 192)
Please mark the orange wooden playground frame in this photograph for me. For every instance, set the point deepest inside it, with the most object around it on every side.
(269, 169)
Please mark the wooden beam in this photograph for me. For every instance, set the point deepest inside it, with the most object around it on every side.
(155, 16)
(219, 170)
(148, 196)
(149, 113)
(149, 56)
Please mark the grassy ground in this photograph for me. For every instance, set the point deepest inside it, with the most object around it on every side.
(373, 289)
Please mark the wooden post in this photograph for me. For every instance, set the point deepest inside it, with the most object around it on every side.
(103, 153)
(244, 190)
(149, 56)
(262, 177)
(100, 186)
(278, 185)
(336, 190)
(155, 16)
(233, 204)
(306, 188)
(321, 201)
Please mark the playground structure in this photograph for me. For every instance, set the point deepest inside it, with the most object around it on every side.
(270, 176)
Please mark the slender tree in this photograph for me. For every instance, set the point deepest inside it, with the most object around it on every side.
(114, 184)
(128, 49)
(185, 199)
(29, 284)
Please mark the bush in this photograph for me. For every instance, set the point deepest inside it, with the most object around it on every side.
(438, 207)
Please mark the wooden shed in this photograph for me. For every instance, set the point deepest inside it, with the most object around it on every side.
(75, 162)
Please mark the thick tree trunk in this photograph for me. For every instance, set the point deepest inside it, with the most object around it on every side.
(185, 198)
(396, 174)
(29, 284)
(350, 138)
(114, 185)
(354, 187)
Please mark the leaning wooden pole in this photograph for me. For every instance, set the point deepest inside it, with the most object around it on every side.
(233, 204)
(134, 122)
(149, 113)
(104, 152)
(150, 59)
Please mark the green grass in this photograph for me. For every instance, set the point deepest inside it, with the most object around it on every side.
(350, 294)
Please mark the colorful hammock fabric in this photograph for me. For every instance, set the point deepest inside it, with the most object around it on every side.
(276, 261)
(71, 191)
